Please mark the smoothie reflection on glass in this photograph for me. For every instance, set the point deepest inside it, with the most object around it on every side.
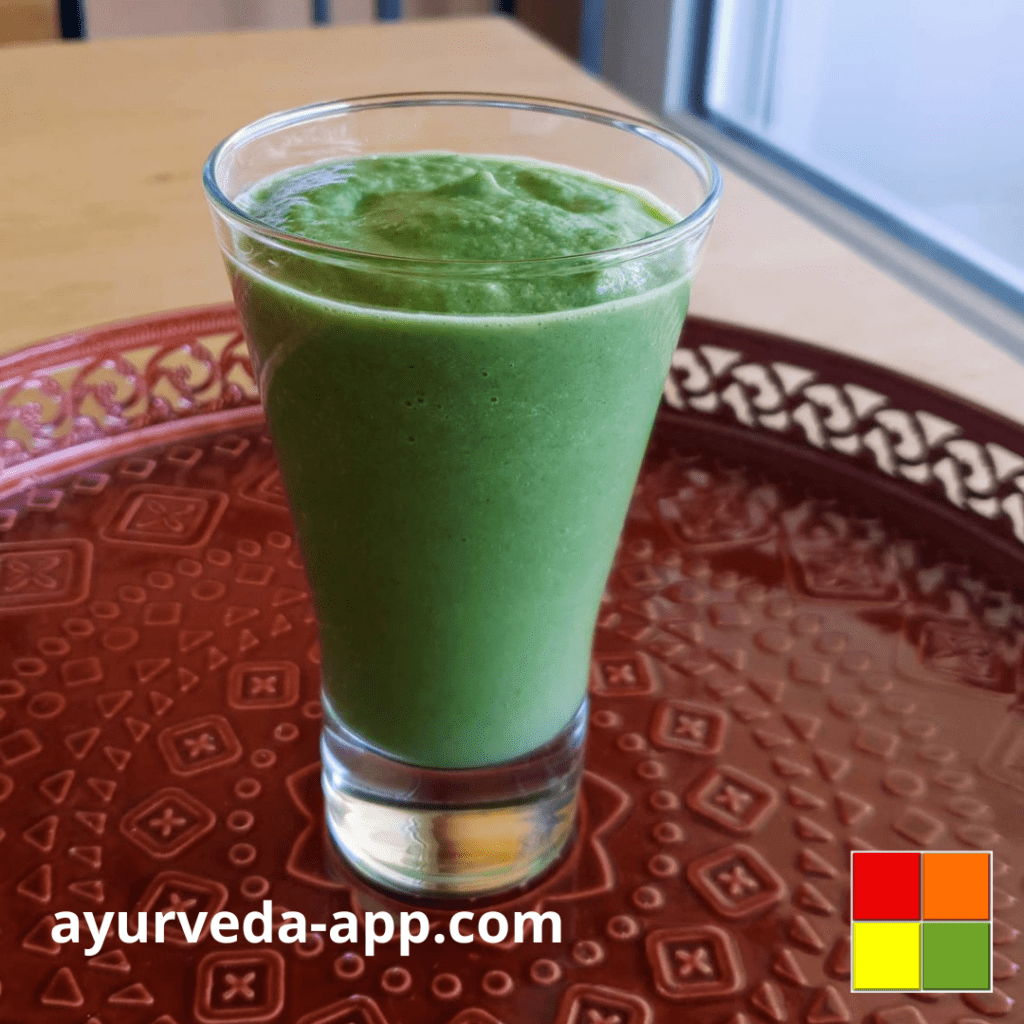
(461, 309)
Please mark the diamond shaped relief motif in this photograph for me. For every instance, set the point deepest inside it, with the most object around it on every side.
(732, 799)
(167, 822)
(600, 1004)
(736, 881)
(199, 745)
(177, 892)
(254, 685)
(699, 962)
(701, 512)
(836, 557)
(961, 651)
(848, 571)
(685, 725)
(625, 675)
(165, 517)
(239, 986)
(44, 574)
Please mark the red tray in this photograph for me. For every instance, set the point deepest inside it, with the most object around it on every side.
(811, 643)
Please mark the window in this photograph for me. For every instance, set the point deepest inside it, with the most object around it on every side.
(898, 124)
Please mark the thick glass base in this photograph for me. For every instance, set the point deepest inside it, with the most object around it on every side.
(442, 833)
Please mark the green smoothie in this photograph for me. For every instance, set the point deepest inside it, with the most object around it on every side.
(459, 442)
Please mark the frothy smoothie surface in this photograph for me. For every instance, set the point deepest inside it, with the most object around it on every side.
(448, 206)
(459, 210)
(459, 450)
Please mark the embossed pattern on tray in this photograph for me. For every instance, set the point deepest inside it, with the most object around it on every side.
(778, 678)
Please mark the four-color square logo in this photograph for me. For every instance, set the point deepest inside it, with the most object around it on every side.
(921, 921)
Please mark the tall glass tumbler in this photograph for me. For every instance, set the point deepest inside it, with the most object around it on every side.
(459, 462)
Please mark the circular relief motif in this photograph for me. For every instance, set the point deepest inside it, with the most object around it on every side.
(254, 887)
(349, 966)
(497, 983)
(545, 972)
(396, 980)
(446, 986)
(247, 789)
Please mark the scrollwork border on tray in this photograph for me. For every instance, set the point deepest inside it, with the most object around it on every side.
(819, 407)
(113, 380)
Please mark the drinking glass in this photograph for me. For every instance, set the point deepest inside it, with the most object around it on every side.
(458, 441)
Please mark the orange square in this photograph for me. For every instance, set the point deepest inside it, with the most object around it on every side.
(956, 886)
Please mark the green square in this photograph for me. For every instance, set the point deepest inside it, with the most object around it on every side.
(957, 956)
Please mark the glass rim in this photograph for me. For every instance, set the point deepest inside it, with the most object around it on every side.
(690, 224)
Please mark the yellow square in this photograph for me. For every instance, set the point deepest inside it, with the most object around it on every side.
(886, 955)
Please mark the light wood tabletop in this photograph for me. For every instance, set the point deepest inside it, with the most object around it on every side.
(102, 214)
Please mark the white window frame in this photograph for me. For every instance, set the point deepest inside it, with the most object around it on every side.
(655, 52)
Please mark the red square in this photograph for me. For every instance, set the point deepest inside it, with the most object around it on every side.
(886, 886)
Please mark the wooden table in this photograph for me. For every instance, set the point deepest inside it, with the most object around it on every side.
(102, 214)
